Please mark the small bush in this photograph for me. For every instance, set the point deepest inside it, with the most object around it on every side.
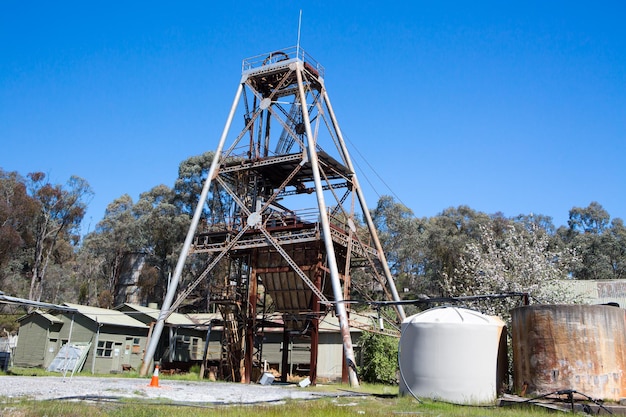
(380, 358)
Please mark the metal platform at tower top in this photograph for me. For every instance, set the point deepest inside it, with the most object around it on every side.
(289, 150)
(280, 58)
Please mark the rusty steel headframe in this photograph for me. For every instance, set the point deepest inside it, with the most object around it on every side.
(289, 152)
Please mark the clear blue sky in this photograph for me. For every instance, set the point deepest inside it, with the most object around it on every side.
(516, 107)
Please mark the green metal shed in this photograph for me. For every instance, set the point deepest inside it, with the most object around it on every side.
(37, 339)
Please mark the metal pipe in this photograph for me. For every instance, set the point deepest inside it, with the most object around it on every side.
(366, 213)
(171, 290)
(173, 334)
(340, 307)
(205, 352)
(250, 325)
(315, 327)
(95, 350)
(284, 363)
(67, 347)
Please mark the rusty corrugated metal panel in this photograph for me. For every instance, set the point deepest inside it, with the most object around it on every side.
(291, 295)
(580, 347)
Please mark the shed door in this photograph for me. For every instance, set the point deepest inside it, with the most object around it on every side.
(128, 347)
(51, 351)
(116, 363)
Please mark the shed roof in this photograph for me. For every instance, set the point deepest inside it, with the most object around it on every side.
(51, 318)
(106, 316)
(204, 318)
(175, 319)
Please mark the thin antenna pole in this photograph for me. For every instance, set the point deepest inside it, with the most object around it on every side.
(298, 43)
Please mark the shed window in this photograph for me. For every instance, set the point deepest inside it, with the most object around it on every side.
(195, 343)
(105, 349)
(196, 351)
(136, 345)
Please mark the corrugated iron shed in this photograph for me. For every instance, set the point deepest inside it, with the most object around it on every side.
(601, 292)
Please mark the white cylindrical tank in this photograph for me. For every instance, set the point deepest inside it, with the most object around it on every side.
(451, 354)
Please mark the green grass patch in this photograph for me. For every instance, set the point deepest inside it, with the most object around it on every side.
(366, 400)
(17, 371)
(327, 407)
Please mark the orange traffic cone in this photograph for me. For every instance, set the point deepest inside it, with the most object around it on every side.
(154, 382)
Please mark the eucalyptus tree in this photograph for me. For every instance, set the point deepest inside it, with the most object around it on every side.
(17, 214)
(60, 210)
(617, 248)
(152, 228)
(117, 234)
(449, 233)
(163, 226)
(403, 239)
(421, 252)
(536, 222)
(599, 242)
(192, 173)
(593, 219)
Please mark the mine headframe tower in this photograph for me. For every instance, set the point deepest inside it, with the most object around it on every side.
(302, 259)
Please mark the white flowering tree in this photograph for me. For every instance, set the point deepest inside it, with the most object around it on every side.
(517, 260)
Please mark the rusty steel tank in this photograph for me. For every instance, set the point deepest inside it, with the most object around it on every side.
(577, 347)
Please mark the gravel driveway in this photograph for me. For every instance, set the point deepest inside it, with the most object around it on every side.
(46, 388)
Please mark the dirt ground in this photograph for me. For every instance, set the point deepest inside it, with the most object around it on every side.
(85, 388)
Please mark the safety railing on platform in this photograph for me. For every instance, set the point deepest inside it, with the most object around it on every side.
(287, 227)
(292, 52)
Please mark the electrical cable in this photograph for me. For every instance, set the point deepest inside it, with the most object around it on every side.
(570, 397)
(374, 171)
(402, 373)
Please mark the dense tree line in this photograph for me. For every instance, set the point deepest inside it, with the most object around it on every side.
(463, 252)
(458, 252)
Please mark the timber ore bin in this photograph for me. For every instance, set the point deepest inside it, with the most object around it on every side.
(579, 347)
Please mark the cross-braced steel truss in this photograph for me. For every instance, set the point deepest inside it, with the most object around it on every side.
(289, 154)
